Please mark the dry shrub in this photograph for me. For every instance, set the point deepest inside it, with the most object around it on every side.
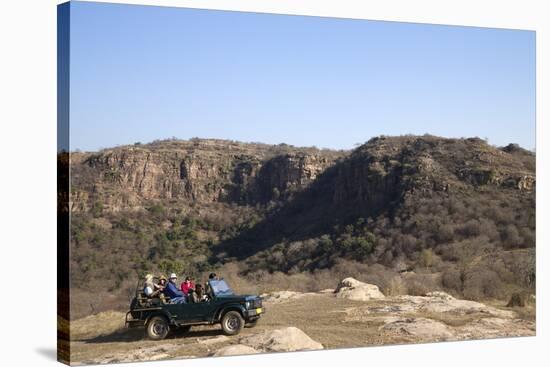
(396, 287)
(451, 280)
(420, 284)
(416, 288)
(517, 300)
(483, 283)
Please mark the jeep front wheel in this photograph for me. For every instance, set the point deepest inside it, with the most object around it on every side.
(157, 328)
(232, 323)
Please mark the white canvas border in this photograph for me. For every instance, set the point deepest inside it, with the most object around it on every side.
(28, 126)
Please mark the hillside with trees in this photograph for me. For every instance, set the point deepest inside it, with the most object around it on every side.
(410, 213)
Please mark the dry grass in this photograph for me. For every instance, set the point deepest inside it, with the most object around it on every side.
(104, 323)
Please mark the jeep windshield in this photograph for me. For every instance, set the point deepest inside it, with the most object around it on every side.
(220, 288)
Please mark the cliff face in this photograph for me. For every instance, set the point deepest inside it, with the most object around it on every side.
(198, 172)
(210, 171)
(386, 169)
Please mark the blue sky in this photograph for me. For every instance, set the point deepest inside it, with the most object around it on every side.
(140, 73)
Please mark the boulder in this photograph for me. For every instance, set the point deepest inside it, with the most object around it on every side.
(235, 350)
(288, 339)
(353, 289)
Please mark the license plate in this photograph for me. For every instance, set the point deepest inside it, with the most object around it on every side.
(259, 311)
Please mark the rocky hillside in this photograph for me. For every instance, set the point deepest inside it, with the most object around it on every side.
(453, 214)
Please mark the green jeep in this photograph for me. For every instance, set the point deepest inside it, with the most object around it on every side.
(159, 316)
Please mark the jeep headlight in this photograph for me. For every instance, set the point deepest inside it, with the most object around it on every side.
(247, 304)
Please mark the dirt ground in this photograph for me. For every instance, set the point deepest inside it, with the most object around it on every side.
(334, 322)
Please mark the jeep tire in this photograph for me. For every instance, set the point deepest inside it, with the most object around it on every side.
(157, 328)
(232, 323)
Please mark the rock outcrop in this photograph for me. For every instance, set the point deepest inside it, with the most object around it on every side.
(441, 302)
(288, 339)
(437, 316)
(141, 354)
(420, 327)
(234, 350)
(433, 302)
(353, 289)
(494, 327)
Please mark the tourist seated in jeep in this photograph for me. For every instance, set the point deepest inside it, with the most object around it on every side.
(197, 295)
(172, 291)
(187, 285)
(150, 289)
(162, 282)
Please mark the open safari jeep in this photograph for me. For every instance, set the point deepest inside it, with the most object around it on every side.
(222, 306)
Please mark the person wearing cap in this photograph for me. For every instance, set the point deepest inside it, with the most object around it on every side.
(172, 291)
(162, 282)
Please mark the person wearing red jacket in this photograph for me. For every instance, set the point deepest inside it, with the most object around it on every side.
(187, 285)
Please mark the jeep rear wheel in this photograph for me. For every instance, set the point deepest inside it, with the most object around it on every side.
(232, 323)
(157, 328)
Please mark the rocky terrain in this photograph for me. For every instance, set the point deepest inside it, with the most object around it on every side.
(294, 321)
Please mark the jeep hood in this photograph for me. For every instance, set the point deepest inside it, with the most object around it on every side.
(238, 297)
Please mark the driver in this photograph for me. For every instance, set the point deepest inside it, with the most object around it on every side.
(208, 290)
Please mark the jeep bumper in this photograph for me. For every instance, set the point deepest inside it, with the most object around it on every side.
(255, 312)
(130, 322)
